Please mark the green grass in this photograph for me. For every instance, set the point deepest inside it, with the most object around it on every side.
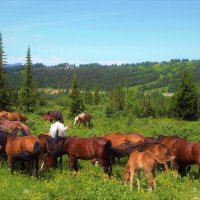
(90, 182)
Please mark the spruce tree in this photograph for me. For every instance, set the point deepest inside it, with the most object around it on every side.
(76, 106)
(186, 98)
(27, 95)
(4, 97)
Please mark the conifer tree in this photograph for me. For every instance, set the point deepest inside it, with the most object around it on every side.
(76, 106)
(186, 98)
(4, 97)
(27, 95)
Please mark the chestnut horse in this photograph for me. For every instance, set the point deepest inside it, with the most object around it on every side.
(14, 124)
(22, 149)
(168, 141)
(146, 161)
(119, 138)
(84, 118)
(80, 148)
(187, 154)
(14, 116)
(54, 116)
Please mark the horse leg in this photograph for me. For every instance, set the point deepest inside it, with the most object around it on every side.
(72, 161)
(150, 180)
(75, 165)
(12, 164)
(105, 166)
(176, 166)
(35, 167)
(61, 162)
(138, 179)
(154, 176)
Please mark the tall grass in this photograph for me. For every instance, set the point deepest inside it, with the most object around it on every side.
(90, 182)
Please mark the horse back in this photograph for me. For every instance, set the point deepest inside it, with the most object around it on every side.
(86, 148)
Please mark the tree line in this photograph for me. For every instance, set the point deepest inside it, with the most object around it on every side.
(120, 99)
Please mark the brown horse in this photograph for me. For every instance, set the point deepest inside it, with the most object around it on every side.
(22, 149)
(16, 116)
(187, 154)
(3, 113)
(119, 138)
(44, 137)
(146, 161)
(54, 116)
(84, 118)
(159, 150)
(14, 124)
(80, 148)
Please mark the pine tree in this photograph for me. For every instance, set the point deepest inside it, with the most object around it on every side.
(27, 95)
(4, 97)
(186, 98)
(76, 102)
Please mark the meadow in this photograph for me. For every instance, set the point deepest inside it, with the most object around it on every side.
(90, 182)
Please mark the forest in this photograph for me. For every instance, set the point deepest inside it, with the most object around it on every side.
(161, 76)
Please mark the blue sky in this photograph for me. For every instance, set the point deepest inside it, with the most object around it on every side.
(102, 31)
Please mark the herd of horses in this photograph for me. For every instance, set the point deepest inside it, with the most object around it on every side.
(144, 153)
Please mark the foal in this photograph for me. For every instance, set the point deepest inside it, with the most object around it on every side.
(146, 161)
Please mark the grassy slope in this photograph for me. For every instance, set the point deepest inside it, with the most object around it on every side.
(90, 182)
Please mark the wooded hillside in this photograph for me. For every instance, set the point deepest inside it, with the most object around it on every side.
(147, 75)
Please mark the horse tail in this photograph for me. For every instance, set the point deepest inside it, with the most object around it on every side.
(125, 149)
(3, 139)
(37, 149)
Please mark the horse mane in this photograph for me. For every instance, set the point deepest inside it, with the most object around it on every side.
(160, 137)
(58, 150)
(126, 148)
(14, 132)
(145, 145)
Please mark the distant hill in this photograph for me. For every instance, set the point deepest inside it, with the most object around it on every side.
(13, 65)
(146, 76)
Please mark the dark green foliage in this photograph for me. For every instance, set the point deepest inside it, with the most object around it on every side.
(28, 92)
(88, 98)
(117, 98)
(148, 75)
(96, 96)
(77, 105)
(4, 97)
(186, 98)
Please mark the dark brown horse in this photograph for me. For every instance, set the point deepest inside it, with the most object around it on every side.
(81, 148)
(22, 149)
(11, 125)
(54, 116)
(187, 154)
(44, 138)
(84, 118)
